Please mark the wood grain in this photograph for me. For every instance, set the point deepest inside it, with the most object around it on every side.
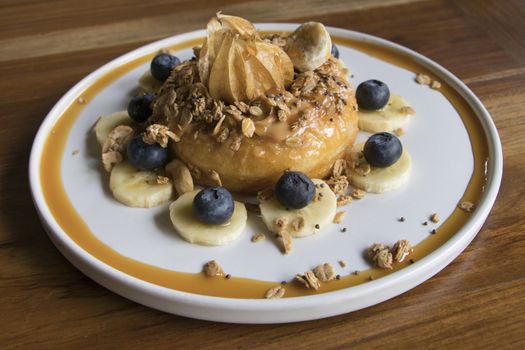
(45, 47)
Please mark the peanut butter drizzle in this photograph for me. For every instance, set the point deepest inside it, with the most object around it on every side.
(71, 222)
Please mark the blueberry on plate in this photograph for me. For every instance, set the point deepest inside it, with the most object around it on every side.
(139, 107)
(213, 206)
(382, 150)
(162, 64)
(372, 94)
(144, 156)
(335, 51)
(295, 190)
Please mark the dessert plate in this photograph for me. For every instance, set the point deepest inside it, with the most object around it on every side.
(456, 156)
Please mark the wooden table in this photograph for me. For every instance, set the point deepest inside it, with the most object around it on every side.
(46, 47)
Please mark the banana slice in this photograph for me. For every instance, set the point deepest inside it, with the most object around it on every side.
(380, 180)
(194, 231)
(309, 46)
(149, 84)
(106, 123)
(136, 188)
(302, 222)
(396, 114)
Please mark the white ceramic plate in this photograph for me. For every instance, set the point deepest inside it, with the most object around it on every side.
(443, 164)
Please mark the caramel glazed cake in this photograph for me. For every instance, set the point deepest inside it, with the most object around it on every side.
(251, 105)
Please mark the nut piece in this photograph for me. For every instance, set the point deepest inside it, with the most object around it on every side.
(181, 176)
(308, 280)
(276, 292)
(324, 272)
(339, 217)
(435, 84)
(212, 269)
(115, 146)
(380, 255)
(434, 218)
(401, 250)
(309, 46)
(258, 237)
(467, 206)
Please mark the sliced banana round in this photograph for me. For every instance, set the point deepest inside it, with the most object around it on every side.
(396, 114)
(194, 231)
(380, 180)
(302, 222)
(106, 123)
(309, 46)
(148, 83)
(136, 188)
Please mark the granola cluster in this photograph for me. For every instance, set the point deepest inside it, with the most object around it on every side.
(184, 100)
(383, 256)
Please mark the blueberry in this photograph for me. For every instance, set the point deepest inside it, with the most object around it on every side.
(213, 206)
(139, 107)
(162, 64)
(144, 156)
(372, 94)
(382, 150)
(295, 190)
(335, 51)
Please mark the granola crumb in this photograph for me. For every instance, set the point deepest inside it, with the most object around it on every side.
(81, 100)
(276, 292)
(412, 261)
(284, 283)
(401, 250)
(380, 255)
(213, 269)
(435, 85)
(286, 241)
(160, 134)
(467, 206)
(358, 193)
(324, 272)
(162, 180)
(317, 227)
(298, 224)
(339, 217)
(434, 218)
(265, 194)
(423, 79)
(342, 200)
(433, 231)
(228, 276)
(402, 219)
(308, 280)
(370, 278)
(342, 263)
(356, 272)
(338, 277)
(258, 237)
(75, 152)
(425, 223)
(344, 229)
(399, 131)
